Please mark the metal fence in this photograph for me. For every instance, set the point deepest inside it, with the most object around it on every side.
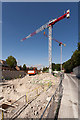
(13, 111)
(52, 108)
(14, 108)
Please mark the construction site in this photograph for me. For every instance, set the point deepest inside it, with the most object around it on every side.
(35, 96)
(39, 66)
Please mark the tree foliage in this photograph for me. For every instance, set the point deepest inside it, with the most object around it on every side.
(78, 46)
(24, 67)
(67, 66)
(45, 69)
(74, 61)
(55, 67)
(11, 61)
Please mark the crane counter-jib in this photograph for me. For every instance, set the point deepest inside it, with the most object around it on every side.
(60, 18)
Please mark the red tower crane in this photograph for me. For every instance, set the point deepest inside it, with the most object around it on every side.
(49, 25)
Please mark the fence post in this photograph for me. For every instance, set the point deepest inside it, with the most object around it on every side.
(37, 91)
(2, 115)
(26, 97)
(44, 87)
(48, 84)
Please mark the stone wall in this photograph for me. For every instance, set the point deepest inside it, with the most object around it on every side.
(7, 74)
(76, 71)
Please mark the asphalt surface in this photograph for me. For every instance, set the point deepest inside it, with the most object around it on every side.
(69, 103)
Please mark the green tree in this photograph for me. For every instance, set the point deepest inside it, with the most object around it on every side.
(53, 66)
(67, 66)
(45, 69)
(78, 46)
(79, 35)
(24, 67)
(57, 67)
(11, 61)
(74, 61)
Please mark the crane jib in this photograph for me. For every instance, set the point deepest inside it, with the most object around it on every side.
(52, 22)
(33, 33)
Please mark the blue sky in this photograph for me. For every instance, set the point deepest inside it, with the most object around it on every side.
(19, 19)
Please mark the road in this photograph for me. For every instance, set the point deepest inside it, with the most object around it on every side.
(69, 103)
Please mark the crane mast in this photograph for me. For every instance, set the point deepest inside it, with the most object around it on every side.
(49, 25)
(60, 44)
(50, 49)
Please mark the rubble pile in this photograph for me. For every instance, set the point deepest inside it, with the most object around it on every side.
(14, 89)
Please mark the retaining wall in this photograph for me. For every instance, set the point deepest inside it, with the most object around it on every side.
(76, 71)
(7, 74)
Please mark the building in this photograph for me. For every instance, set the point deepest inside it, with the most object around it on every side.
(4, 63)
(5, 66)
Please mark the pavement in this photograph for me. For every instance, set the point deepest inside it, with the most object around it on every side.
(69, 102)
